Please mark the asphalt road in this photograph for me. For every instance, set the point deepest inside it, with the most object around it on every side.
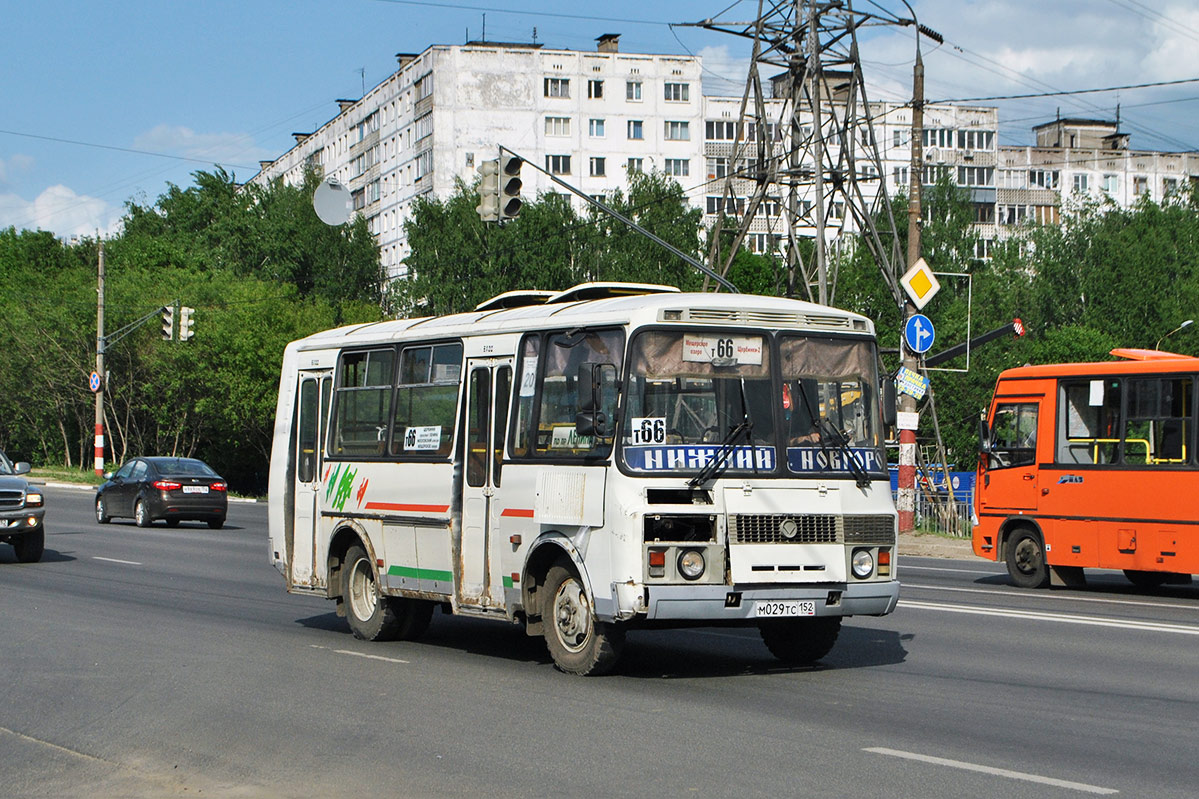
(171, 662)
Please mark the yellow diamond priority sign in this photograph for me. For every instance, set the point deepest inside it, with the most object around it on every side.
(920, 283)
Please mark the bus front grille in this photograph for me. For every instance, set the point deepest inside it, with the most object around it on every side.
(810, 529)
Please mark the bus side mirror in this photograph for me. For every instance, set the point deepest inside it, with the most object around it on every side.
(984, 437)
(890, 403)
(594, 380)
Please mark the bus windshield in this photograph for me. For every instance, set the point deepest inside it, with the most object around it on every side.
(693, 398)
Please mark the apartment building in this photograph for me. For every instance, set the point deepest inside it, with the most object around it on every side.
(591, 116)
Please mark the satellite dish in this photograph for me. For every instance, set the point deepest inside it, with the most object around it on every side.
(331, 201)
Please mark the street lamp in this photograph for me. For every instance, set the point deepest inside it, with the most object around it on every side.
(1187, 323)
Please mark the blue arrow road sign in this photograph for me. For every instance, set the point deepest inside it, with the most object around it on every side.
(918, 333)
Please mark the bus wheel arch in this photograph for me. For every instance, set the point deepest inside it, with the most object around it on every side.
(1025, 556)
(346, 536)
(552, 549)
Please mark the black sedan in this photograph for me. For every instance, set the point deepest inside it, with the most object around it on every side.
(169, 488)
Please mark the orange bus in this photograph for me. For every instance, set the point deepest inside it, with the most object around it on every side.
(1092, 465)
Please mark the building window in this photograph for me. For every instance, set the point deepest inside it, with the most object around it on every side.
(678, 92)
(632, 90)
(1013, 179)
(899, 175)
(1111, 183)
(1082, 182)
(557, 126)
(1140, 185)
(635, 129)
(771, 206)
(718, 168)
(938, 137)
(931, 173)
(557, 164)
(976, 176)
(557, 87)
(635, 165)
(983, 248)
(677, 167)
(595, 89)
(358, 198)
(899, 137)
(720, 130)
(372, 192)
(597, 167)
(595, 128)
(975, 139)
(1169, 186)
(424, 164)
(424, 86)
(678, 131)
(1013, 214)
(984, 213)
(1043, 178)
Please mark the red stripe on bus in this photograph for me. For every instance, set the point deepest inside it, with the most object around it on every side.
(524, 513)
(402, 507)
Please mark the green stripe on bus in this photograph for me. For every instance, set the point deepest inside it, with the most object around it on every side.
(420, 574)
(507, 581)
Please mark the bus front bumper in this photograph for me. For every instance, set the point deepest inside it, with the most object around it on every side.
(720, 603)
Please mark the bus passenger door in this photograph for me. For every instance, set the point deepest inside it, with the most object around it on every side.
(312, 410)
(1010, 480)
(489, 382)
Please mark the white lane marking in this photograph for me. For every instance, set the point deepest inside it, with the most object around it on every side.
(114, 560)
(359, 654)
(998, 772)
(1047, 595)
(905, 566)
(1092, 621)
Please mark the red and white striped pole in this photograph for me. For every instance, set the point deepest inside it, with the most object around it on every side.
(99, 390)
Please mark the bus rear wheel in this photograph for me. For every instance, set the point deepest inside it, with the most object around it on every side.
(1026, 559)
(800, 642)
(577, 641)
(371, 617)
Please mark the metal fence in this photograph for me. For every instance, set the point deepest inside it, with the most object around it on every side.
(937, 514)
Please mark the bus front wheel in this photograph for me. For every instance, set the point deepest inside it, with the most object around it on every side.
(577, 641)
(371, 617)
(1026, 559)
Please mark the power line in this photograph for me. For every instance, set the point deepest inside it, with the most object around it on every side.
(119, 149)
(1068, 92)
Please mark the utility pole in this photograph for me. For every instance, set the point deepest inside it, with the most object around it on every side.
(905, 499)
(99, 460)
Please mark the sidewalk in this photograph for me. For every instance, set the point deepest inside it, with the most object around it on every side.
(934, 546)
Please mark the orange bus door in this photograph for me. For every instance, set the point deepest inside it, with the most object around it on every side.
(1010, 480)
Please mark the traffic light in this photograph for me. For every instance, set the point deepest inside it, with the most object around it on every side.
(509, 201)
(489, 191)
(168, 322)
(186, 323)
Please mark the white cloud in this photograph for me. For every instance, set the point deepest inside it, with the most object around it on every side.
(724, 74)
(61, 211)
(217, 148)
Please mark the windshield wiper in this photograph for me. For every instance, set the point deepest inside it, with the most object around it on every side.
(861, 476)
(717, 465)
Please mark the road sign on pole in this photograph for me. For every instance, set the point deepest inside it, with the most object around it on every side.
(918, 333)
(920, 284)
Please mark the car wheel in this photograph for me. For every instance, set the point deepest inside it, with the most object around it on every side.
(141, 514)
(371, 617)
(29, 547)
(800, 642)
(216, 524)
(172, 522)
(577, 641)
(102, 516)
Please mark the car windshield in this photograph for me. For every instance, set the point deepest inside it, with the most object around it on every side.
(184, 466)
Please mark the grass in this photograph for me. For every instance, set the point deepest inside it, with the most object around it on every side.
(64, 475)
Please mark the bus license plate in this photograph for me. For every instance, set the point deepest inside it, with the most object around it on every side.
(766, 608)
(195, 489)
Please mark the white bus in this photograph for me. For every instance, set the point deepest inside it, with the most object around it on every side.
(609, 457)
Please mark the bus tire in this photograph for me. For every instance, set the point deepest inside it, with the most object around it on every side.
(800, 642)
(1144, 579)
(1026, 559)
(577, 641)
(30, 546)
(412, 617)
(370, 615)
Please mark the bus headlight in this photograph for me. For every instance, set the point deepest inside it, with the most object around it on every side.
(691, 564)
(862, 563)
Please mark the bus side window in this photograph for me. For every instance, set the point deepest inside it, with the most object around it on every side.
(1159, 425)
(1089, 430)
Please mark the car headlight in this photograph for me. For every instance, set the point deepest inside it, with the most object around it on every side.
(862, 563)
(691, 564)
(33, 499)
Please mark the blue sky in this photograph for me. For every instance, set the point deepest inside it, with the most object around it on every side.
(104, 103)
